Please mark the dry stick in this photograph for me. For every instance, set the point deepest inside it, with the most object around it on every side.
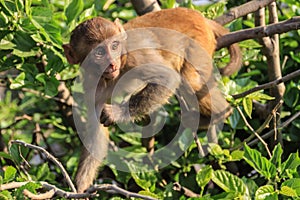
(254, 132)
(50, 157)
(47, 195)
(259, 32)
(268, 85)
(271, 132)
(242, 10)
(187, 192)
(261, 128)
(91, 190)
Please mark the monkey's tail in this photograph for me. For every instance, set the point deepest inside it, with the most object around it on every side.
(234, 51)
(87, 170)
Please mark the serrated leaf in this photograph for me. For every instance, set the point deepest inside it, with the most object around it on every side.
(74, 9)
(204, 176)
(9, 174)
(248, 106)
(266, 192)
(229, 182)
(261, 164)
(294, 184)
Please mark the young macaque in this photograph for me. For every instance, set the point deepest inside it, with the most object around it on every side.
(181, 40)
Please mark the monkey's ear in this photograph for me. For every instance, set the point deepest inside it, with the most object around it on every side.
(70, 54)
(121, 28)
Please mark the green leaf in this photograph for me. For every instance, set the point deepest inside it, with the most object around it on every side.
(5, 195)
(19, 81)
(229, 182)
(5, 155)
(276, 156)
(293, 184)
(51, 86)
(42, 15)
(291, 163)
(259, 96)
(248, 106)
(150, 194)
(74, 9)
(204, 175)
(9, 174)
(43, 172)
(23, 41)
(237, 155)
(291, 97)
(29, 186)
(266, 192)
(215, 149)
(132, 138)
(261, 164)
(234, 119)
(287, 191)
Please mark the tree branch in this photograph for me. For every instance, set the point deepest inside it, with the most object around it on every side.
(50, 157)
(268, 85)
(53, 190)
(242, 10)
(259, 32)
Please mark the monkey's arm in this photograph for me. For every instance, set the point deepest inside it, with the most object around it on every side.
(139, 105)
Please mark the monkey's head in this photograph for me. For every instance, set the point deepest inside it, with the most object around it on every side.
(104, 38)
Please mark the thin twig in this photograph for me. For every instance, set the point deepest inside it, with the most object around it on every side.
(253, 131)
(187, 192)
(268, 85)
(271, 132)
(199, 146)
(261, 128)
(50, 157)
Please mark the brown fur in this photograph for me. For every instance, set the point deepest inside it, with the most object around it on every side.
(191, 23)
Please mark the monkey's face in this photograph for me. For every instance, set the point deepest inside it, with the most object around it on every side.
(108, 56)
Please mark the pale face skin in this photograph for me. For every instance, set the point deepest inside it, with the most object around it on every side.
(108, 54)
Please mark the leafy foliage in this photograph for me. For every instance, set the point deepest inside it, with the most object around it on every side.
(32, 66)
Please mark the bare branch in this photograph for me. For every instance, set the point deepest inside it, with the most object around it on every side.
(271, 132)
(187, 192)
(50, 157)
(53, 190)
(259, 32)
(253, 131)
(268, 85)
(242, 10)
(47, 195)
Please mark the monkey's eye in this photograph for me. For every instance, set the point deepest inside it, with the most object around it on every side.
(115, 45)
(100, 52)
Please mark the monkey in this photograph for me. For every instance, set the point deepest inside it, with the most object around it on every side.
(105, 42)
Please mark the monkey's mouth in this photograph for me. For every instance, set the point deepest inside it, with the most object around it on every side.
(111, 72)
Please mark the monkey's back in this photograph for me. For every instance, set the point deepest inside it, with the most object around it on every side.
(186, 21)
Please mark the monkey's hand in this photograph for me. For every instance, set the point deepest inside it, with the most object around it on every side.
(113, 113)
